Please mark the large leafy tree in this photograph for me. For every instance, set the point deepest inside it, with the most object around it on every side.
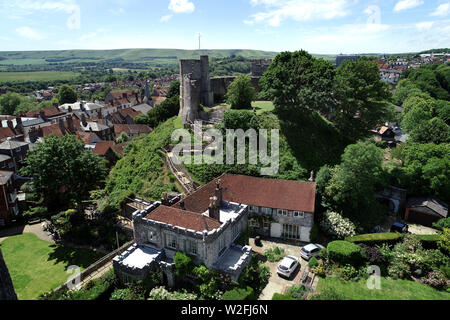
(361, 98)
(62, 171)
(9, 102)
(425, 169)
(174, 89)
(241, 93)
(354, 182)
(297, 82)
(66, 95)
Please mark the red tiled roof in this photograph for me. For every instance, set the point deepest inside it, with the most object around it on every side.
(262, 192)
(102, 147)
(158, 100)
(183, 219)
(48, 112)
(120, 148)
(6, 133)
(129, 112)
(86, 137)
(52, 129)
(132, 128)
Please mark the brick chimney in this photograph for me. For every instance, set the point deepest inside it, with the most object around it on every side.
(124, 95)
(218, 192)
(214, 209)
(42, 115)
(62, 126)
(10, 125)
(70, 126)
(83, 120)
(165, 199)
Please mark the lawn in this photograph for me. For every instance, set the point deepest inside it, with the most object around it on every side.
(263, 106)
(36, 76)
(37, 266)
(390, 290)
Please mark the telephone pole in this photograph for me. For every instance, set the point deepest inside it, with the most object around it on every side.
(199, 40)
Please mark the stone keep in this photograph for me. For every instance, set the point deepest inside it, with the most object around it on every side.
(195, 88)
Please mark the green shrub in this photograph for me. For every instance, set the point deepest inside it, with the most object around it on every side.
(297, 292)
(255, 275)
(35, 212)
(347, 273)
(97, 289)
(183, 264)
(344, 252)
(275, 254)
(372, 239)
(239, 294)
(278, 296)
(442, 224)
(313, 262)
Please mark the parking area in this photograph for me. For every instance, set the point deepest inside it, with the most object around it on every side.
(276, 283)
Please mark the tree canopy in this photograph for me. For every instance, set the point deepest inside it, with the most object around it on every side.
(62, 171)
(241, 93)
(353, 183)
(361, 98)
(297, 82)
(66, 95)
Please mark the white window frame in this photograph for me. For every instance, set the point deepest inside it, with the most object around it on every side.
(299, 214)
(266, 210)
(282, 212)
(171, 239)
(191, 247)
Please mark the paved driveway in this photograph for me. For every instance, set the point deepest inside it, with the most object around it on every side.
(276, 283)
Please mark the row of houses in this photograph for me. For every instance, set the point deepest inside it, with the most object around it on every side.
(96, 125)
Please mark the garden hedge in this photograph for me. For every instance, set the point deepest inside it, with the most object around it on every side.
(372, 239)
(277, 296)
(344, 252)
(239, 294)
(376, 238)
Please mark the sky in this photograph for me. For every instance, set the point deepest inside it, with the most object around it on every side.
(318, 26)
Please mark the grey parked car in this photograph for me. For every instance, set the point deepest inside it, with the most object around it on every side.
(311, 250)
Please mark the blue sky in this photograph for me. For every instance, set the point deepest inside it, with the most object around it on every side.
(319, 26)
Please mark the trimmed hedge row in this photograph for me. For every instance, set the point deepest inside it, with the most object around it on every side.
(372, 239)
(344, 252)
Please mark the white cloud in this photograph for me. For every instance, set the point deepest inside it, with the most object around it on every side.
(30, 33)
(407, 4)
(166, 18)
(442, 11)
(26, 7)
(426, 25)
(277, 11)
(117, 11)
(181, 6)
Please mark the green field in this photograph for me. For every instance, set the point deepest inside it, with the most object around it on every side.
(390, 290)
(37, 266)
(36, 76)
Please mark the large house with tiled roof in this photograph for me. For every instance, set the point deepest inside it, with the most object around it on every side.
(277, 208)
(207, 224)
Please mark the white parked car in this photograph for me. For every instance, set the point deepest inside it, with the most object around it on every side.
(311, 250)
(288, 266)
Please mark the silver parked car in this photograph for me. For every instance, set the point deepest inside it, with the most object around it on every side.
(287, 266)
(311, 250)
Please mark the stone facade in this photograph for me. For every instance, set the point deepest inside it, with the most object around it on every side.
(207, 247)
(195, 88)
(259, 67)
(270, 222)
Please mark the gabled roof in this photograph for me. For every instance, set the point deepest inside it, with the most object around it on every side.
(120, 148)
(102, 147)
(436, 205)
(7, 132)
(5, 176)
(129, 112)
(48, 112)
(262, 192)
(87, 137)
(184, 219)
(12, 144)
(132, 128)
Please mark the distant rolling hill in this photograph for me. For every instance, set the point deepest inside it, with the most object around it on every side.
(165, 56)
(160, 56)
